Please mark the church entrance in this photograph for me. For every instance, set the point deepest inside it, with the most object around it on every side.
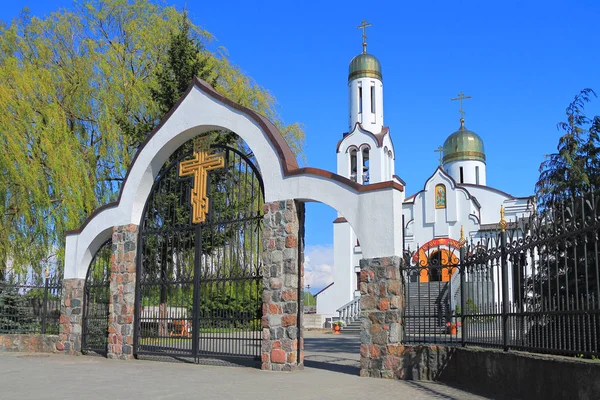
(432, 289)
(199, 285)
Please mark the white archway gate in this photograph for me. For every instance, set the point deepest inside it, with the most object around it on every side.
(373, 211)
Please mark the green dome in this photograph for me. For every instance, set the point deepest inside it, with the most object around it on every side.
(364, 65)
(463, 145)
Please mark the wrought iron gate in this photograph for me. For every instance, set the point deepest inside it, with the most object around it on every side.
(199, 285)
(431, 289)
(96, 301)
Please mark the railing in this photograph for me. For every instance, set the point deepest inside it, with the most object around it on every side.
(532, 287)
(454, 289)
(30, 304)
(350, 311)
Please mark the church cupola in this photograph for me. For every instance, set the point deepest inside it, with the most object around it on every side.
(365, 89)
(464, 154)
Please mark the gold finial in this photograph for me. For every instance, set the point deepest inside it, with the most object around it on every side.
(502, 222)
(461, 97)
(364, 26)
(440, 150)
(462, 239)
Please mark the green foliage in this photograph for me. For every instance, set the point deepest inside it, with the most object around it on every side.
(471, 307)
(309, 299)
(16, 314)
(79, 90)
(575, 168)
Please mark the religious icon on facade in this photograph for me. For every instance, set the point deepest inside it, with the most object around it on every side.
(440, 196)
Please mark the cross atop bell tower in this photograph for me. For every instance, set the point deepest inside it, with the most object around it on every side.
(364, 25)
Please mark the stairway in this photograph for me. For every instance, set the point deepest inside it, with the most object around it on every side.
(352, 328)
(427, 308)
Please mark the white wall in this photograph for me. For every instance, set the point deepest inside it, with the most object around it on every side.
(372, 214)
(469, 171)
(370, 121)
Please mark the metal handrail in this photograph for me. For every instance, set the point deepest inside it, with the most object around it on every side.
(350, 311)
(454, 289)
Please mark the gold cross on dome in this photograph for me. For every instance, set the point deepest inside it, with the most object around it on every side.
(364, 26)
(199, 166)
(440, 150)
(461, 97)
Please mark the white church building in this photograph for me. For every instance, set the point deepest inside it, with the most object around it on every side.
(455, 196)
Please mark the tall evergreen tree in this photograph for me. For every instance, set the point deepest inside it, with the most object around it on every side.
(575, 168)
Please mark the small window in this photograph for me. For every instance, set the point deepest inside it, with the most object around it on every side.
(360, 99)
(462, 176)
(373, 98)
(365, 169)
(440, 196)
(477, 175)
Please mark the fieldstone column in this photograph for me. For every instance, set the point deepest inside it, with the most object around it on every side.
(71, 314)
(122, 292)
(283, 279)
(381, 304)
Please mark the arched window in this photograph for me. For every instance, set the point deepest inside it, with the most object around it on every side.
(353, 166)
(440, 196)
(365, 166)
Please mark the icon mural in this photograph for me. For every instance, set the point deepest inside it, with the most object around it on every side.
(440, 196)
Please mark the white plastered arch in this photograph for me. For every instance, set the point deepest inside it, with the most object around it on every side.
(372, 212)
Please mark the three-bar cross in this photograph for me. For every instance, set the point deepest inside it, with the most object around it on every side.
(461, 97)
(199, 166)
(364, 26)
(440, 150)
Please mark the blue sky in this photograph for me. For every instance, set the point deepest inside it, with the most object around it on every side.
(521, 61)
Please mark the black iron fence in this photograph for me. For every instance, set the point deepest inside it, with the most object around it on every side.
(30, 304)
(534, 286)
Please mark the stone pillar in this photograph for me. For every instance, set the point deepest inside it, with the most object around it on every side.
(122, 292)
(71, 315)
(381, 304)
(283, 279)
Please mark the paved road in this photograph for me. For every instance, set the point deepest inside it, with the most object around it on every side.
(330, 373)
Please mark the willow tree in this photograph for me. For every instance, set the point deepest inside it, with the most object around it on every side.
(76, 90)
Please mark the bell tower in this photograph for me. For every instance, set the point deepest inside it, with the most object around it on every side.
(366, 154)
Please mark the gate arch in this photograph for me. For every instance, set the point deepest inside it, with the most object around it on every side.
(199, 286)
(96, 300)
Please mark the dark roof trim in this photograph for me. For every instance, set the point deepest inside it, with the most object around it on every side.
(399, 179)
(456, 185)
(491, 189)
(287, 159)
(378, 136)
(345, 181)
(324, 289)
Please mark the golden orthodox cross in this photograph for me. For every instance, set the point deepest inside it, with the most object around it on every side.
(461, 97)
(364, 26)
(199, 166)
(440, 150)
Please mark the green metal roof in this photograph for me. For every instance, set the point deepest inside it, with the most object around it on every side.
(463, 145)
(365, 65)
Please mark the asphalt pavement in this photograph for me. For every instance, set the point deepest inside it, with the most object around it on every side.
(331, 373)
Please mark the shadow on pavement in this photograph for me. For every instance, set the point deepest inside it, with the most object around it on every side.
(333, 353)
(334, 364)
